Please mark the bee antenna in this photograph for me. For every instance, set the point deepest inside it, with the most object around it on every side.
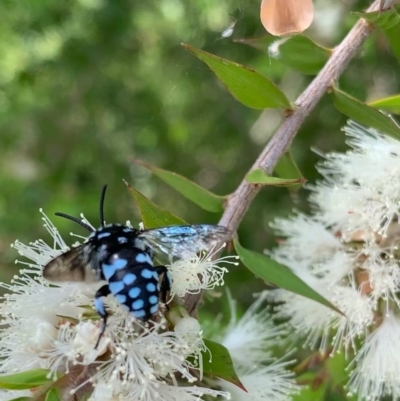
(81, 223)
(102, 197)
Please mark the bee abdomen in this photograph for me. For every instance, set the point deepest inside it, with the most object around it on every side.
(135, 285)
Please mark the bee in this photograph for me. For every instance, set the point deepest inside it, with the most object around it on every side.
(123, 257)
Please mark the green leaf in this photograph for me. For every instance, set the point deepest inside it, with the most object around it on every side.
(299, 52)
(246, 85)
(390, 104)
(220, 363)
(334, 393)
(273, 272)
(195, 193)
(259, 176)
(308, 394)
(389, 22)
(25, 380)
(393, 35)
(382, 19)
(52, 395)
(152, 215)
(337, 367)
(22, 399)
(287, 167)
(364, 114)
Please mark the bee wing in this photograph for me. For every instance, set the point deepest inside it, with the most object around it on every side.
(182, 240)
(77, 264)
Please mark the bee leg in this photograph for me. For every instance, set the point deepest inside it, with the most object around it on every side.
(101, 310)
(165, 283)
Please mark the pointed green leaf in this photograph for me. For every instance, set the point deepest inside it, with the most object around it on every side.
(382, 19)
(25, 380)
(299, 52)
(273, 272)
(286, 168)
(259, 176)
(246, 85)
(52, 395)
(22, 399)
(152, 215)
(390, 104)
(195, 193)
(364, 114)
(220, 363)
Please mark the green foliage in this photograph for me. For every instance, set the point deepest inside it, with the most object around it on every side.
(260, 177)
(390, 104)
(298, 52)
(246, 85)
(279, 275)
(217, 362)
(389, 22)
(287, 168)
(198, 195)
(52, 395)
(152, 215)
(364, 114)
(25, 380)
(87, 85)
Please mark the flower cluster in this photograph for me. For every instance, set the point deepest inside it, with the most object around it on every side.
(249, 342)
(54, 327)
(348, 251)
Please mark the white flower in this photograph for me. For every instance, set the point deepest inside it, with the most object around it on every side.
(377, 365)
(310, 319)
(153, 391)
(272, 383)
(249, 340)
(189, 330)
(363, 183)
(24, 344)
(10, 395)
(358, 315)
(306, 243)
(49, 326)
(348, 251)
(194, 273)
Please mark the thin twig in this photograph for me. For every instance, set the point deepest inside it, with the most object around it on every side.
(240, 200)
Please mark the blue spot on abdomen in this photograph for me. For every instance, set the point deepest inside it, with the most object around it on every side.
(146, 273)
(116, 287)
(139, 313)
(134, 292)
(144, 258)
(138, 304)
(153, 299)
(129, 278)
(109, 270)
(121, 298)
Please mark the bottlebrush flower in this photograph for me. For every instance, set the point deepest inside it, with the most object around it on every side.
(348, 252)
(194, 273)
(249, 341)
(55, 327)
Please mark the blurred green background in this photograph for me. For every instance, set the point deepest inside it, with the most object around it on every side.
(87, 85)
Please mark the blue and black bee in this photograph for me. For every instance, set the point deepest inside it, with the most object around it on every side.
(123, 257)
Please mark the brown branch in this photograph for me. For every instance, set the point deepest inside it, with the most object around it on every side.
(240, 200)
